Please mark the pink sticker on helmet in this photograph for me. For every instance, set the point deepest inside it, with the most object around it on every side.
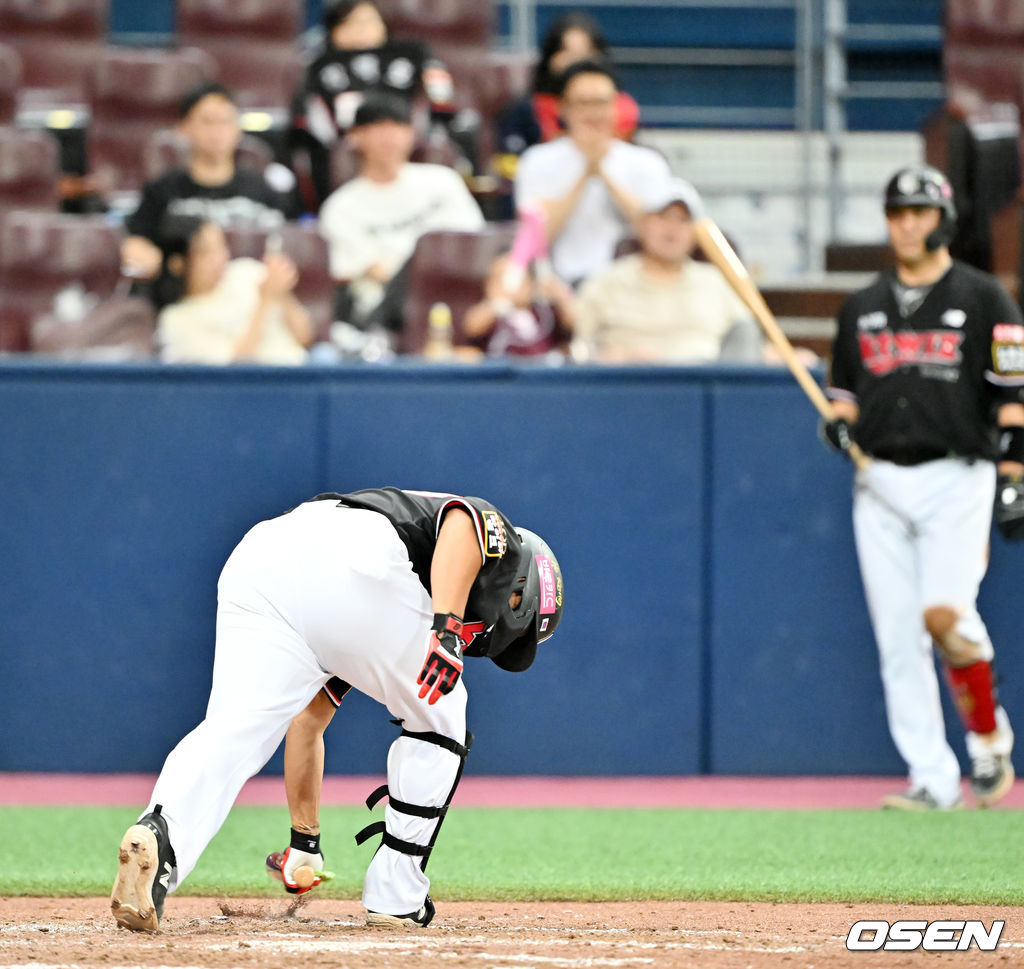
(548, 586)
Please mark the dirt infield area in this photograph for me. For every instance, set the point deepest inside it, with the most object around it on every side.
(259, 934)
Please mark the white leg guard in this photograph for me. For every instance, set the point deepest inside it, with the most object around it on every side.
(423, 771)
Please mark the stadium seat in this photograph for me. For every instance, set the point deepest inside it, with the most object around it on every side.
(43, 252)
(450, 267)
(254, 44)
(165, 149)
(133, 93)
(308, 250)
(57, 40)
(440, 22)
(28, 170)
(11, 73)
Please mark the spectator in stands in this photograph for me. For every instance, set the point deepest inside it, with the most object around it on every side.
(574, 36)
(591, 184)
(372, 223)
(661, 306)
(210, 187)
(536, 319)
(222, 310)
(358, 58)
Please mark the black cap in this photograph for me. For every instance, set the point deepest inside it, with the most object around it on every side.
(382, 107)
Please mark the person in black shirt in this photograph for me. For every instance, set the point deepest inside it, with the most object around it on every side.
(358, 58)
(928, 379)
(386, 590)
(211, 187)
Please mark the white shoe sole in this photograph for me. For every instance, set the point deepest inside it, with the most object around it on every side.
(393, 921)
(131, 899)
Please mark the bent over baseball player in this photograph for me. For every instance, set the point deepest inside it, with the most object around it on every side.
(928, 378)
(384, 589)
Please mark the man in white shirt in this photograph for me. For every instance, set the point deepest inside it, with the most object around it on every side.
(591, 185)
(373, 222)
(661, 306)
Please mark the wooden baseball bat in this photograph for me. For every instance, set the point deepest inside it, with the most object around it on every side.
(716, 247)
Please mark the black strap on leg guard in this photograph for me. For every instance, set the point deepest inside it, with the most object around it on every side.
(416, 810)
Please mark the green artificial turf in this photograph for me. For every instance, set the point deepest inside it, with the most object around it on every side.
(486, 853)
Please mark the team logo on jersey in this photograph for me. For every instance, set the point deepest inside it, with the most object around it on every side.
(955, 318)
(1008, 349)
(872, 321)
(885, 352)
(495, 541)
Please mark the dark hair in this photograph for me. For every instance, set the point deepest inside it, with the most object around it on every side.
(174, 238)
(203, 90)
(338, 12)
(586, 67)
(382, 106)
(544, 82)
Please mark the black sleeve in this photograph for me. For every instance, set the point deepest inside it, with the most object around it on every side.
(845, 362)
(145, 220)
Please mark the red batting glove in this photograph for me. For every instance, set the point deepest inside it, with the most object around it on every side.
(293, 858)
(443, 665)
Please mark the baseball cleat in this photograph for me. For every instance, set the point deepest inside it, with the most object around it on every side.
(918, 799)
(992, 772)
(146, 863)
(414, 920)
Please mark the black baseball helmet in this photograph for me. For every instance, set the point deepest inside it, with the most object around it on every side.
(516, 634)
(922, 185)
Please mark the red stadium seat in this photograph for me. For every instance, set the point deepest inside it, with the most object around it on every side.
(253, 42)
(450, 267)
(41, 253)
(134, 93)
(308, 250)
(28, 170)
(11, 74)
(56, 39)
(465, 22)
(165, 149)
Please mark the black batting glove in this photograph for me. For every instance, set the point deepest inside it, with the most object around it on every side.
(1009, 508)
(443, 665)
(837, 435)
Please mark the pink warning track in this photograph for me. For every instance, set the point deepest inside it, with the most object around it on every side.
(133, 790)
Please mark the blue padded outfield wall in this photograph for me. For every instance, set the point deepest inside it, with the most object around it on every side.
(714, 616)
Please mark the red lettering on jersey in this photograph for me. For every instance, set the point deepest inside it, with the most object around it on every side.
(884, 352)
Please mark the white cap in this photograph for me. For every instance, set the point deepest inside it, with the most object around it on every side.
(675, 190)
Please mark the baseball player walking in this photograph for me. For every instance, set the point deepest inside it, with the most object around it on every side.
(928, 378)
(388, 590)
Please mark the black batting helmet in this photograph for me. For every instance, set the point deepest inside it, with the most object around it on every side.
(922, 185)
(516, 634)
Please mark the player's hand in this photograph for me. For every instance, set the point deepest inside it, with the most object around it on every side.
(837, 435)
(1009, 509)
(294, 859)
(443, 665)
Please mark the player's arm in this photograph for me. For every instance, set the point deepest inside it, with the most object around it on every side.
(304, 763)
(453, 569)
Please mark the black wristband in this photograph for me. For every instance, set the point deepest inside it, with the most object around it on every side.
(1011, 444)
(310, 843)
(447, 622)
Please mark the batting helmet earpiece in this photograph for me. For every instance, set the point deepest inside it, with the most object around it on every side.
(922, 185)
(514, 638)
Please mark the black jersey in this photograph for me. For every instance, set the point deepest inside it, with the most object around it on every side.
(338, 80)
(930, 383)
(245, 199)
(417, 517)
